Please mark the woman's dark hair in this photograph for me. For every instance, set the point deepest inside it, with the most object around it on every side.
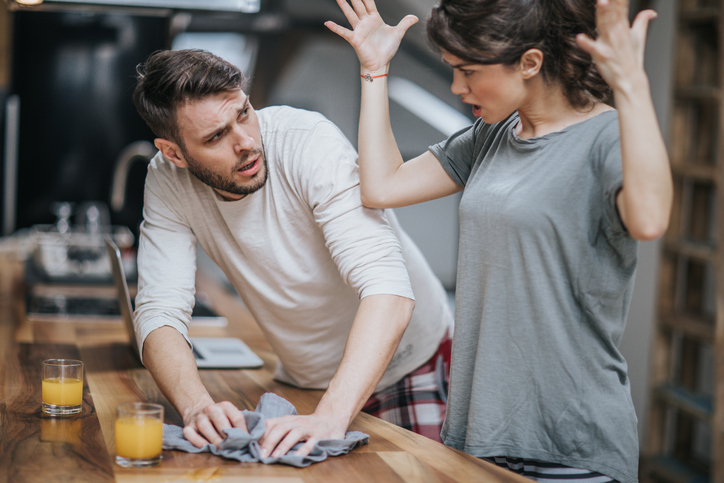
(500, 31)
(171, 78)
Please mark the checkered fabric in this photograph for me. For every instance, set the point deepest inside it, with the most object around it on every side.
(417, 402)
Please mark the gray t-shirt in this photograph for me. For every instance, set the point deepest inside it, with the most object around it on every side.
(545, 275)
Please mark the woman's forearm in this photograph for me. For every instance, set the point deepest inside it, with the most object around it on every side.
(379, 156)
(646, 198)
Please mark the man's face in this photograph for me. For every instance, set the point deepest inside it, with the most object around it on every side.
(223, 146)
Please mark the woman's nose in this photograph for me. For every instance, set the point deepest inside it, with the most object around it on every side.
(459, 86)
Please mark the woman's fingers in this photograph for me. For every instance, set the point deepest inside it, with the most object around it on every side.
(348, 12)
(360, 8)
(639, 29)
(406, 23)
(346, 34)
(586, 43)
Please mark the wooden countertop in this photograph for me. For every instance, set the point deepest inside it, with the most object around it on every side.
(38, 448)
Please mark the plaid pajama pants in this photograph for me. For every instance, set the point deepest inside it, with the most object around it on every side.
(417, 402)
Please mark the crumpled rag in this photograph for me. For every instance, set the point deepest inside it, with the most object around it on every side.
(242, 446)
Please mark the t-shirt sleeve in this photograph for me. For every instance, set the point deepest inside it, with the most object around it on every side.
(166, 261)
(360, 240)
(457, 153)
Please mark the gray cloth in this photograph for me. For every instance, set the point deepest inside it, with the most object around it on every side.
(242, 446)
(545, 276)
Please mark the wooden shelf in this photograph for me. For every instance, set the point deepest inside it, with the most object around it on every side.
(688, 347)
(698, 93)
(698, 172)
(700, 15)
(698, 405)
(673, 471)
(704, 252)
(699, 328)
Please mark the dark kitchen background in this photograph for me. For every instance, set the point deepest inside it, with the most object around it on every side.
(69, 127)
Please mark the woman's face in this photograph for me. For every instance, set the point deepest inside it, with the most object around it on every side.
(495, 90)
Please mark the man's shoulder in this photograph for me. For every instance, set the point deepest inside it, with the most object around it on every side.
(162, 172)
(287, 118)
(160, 167)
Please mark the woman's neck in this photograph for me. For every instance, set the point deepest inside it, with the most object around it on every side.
(548, 110)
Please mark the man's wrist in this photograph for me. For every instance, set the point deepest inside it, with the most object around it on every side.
(337, 412)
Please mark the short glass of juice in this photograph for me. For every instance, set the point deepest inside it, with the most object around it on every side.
(62, 387)
(139, 434)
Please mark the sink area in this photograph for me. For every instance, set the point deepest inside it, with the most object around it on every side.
(76, 256)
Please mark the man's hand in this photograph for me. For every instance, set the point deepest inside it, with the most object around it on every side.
(207, 424)
(281, 434)
(170, 361)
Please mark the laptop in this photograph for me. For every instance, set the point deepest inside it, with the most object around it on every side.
(210, 352)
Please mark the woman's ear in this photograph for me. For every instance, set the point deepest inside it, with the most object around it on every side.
(531, 63)
(170, 151)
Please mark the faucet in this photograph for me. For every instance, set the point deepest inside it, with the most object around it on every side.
(143, 150)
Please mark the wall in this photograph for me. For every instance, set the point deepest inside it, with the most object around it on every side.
(636, 342)
(5, 35)
(322, 76)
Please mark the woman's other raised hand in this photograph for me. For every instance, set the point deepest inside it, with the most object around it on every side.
(619, 49)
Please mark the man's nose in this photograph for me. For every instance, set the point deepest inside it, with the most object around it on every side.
(244, 142)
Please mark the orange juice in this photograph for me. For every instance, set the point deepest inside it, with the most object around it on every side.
(62, 391)
(138, 438)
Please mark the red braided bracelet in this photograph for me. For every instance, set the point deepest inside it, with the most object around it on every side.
(369, 77)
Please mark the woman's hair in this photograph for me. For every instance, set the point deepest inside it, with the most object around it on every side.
(500, 31)
(171, 78)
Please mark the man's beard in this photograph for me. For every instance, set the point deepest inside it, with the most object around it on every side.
(226, 183)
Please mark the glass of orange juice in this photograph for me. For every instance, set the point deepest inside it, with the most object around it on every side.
(139, 434)
(62, 386)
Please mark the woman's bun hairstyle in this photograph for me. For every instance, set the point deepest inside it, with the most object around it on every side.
(500, 31)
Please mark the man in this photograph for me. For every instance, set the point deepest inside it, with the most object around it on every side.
(273, 198)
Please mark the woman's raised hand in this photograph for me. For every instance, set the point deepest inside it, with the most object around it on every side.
(373, 40)
(619, 49)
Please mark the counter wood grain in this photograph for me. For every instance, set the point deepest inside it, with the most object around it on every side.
(37, 448)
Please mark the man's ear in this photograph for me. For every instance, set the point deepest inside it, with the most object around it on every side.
(531, 63)
(170, 151)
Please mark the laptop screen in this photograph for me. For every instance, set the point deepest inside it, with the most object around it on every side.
(124, 295)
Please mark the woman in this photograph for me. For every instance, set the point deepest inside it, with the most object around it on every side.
(558, 187)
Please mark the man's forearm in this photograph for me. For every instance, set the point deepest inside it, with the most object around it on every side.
(170, 361)
(378, 327)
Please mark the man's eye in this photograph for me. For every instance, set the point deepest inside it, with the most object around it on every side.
(215, 137)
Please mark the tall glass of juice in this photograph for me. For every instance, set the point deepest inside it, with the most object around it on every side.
(139, 434)
(62, 386)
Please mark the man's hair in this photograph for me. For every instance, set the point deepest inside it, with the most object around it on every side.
(171, 78)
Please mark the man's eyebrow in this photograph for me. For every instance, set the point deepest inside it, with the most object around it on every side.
(212, 132)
